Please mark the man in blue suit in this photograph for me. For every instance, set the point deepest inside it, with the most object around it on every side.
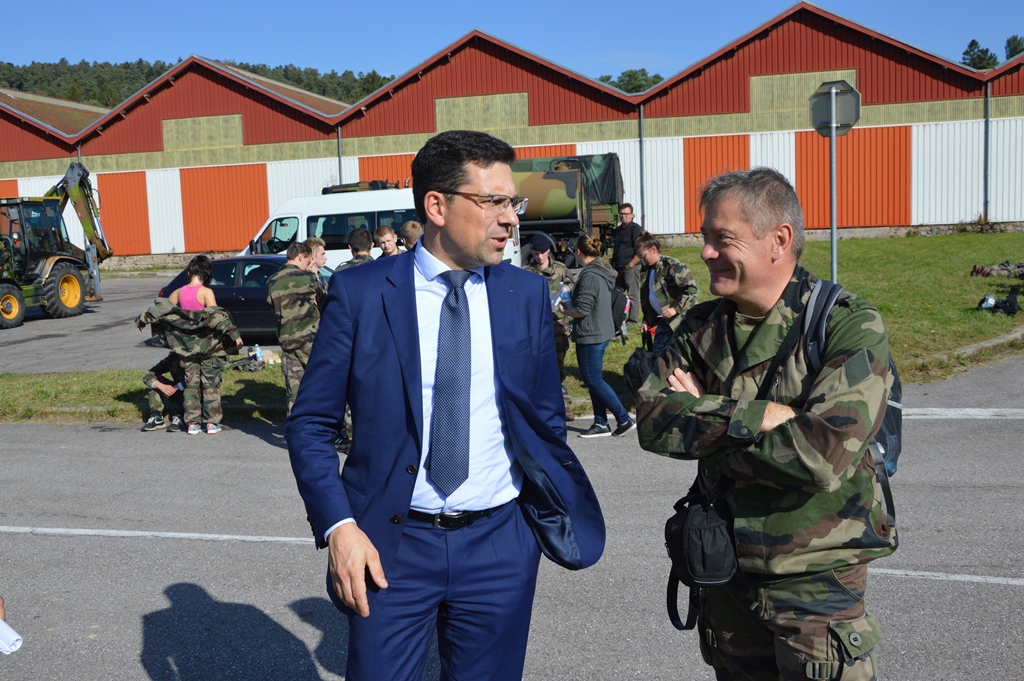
(458, 476)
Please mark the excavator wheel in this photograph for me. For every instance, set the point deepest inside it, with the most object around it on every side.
(12, 306)
(64, 291)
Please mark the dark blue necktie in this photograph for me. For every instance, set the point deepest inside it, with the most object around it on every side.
(449, 424)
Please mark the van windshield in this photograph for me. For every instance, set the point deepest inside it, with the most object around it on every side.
(334, 229)
(278, 235)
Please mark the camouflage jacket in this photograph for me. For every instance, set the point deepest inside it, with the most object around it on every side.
(168, 366)
(356, 260)
(193, 334)
(556, 274)
(674, 286)
(803, 496)
(292, 294)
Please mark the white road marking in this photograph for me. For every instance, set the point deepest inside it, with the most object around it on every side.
(131, 534)
(66, 532)
(965, 413)
(947, 577)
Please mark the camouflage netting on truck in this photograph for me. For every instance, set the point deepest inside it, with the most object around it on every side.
(602, 175)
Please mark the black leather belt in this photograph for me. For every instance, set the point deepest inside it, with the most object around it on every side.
(450, 520)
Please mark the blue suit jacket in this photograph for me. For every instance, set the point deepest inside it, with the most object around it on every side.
(366, 352)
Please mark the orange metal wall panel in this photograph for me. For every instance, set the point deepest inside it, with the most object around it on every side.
(703, 158)
(546, 150)
(394, 168)
(806, 42)
(124, 211)
(20, 141)
(873, 180)
(8, 188)
(223, 206)
(483, 68)
(201, 92)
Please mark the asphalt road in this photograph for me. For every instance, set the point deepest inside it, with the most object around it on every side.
(102, 337)
(165, 556)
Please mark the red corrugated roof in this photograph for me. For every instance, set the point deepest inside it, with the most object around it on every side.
(782, 18)
(416, 73)
(310, 100)
(57, 115)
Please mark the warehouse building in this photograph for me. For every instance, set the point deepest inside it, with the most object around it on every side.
(199, 158)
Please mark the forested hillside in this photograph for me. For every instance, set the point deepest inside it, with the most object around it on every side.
(109, 84)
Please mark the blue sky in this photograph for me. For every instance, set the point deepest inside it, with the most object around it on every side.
(392, 36)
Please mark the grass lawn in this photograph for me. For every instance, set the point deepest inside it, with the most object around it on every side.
(920, 285)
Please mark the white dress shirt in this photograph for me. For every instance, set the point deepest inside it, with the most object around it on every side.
(494, 476)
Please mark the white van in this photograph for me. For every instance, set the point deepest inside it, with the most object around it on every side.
(332, 217)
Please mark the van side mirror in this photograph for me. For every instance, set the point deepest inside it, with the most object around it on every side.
(253, 247)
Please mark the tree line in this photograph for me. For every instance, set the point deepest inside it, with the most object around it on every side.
(107, 85)
(982, 58)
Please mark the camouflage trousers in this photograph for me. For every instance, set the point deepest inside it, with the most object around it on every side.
(812, 626)
(1005, 269)
(202, 390)
(175, 403)
(293, 366)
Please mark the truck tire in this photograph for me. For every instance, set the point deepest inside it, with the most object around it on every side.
(12, 306)
(64, 292)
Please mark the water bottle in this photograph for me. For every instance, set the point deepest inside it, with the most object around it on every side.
(565, 296)
(259, 353)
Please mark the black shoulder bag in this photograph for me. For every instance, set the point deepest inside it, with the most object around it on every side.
(699, 536)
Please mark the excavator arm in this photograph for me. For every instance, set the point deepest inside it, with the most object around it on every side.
(76, 188)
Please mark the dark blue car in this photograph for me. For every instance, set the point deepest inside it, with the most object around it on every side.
(240, 285)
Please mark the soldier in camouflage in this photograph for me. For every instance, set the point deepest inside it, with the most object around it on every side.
(317, 261)
(359, 242)
(667, 291)
(1003, 269)
(793, 468)
(555, 272)
(203, 339)
(165, 382)
(292, 293)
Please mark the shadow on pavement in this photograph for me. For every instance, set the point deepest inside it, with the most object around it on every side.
(199, 638)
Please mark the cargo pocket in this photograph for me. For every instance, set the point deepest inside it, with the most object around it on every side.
(853, 640)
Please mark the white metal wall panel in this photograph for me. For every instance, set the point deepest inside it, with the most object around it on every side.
(664, 194)
(1006, 198)
(775, 150)
(947, 172)
(292, 179)
(166, 223)
(37, 186)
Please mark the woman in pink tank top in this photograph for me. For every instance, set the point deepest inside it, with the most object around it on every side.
(195, 295)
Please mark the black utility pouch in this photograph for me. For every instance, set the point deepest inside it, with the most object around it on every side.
(700, 544)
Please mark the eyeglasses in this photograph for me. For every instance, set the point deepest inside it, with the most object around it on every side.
(624, 214)
(496, 204)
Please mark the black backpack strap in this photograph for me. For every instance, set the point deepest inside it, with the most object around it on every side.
(673, 608)
(823, 297)
(882, 475)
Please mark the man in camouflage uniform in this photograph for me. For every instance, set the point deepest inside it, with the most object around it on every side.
(543, 264)
(793, 468)
(387, 240)
(161, 388)
(292, 293)
(1003, 269)
(359, 242)
(203, 339)
(317, 260)
(667, 291)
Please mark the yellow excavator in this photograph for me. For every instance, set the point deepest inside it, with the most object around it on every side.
(39, 265)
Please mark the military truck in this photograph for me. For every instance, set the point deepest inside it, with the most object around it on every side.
(569, 196)
(39, 265)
